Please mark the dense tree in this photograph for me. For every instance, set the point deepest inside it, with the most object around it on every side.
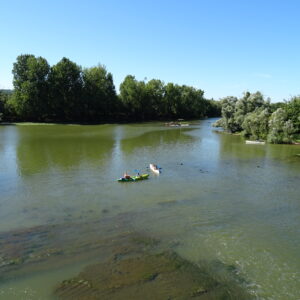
(248, 104)
(66, 83)
(154, 100)
(293, 112)
(99, 94)
(192, 103)
(171, 102)
(213, 108)
(228, 111)
(275, 106)
(256, 124)
(66, 93)
(134, 97)
(281, 129)
(155, 93)
(256, 118)
(3, 99)
(30, 98)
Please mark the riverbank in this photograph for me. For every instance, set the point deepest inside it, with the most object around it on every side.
(222, 131)
(124, 122)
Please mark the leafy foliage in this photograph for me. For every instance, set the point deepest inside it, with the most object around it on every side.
(281, 129)
(154, 99)
(66, 83)
(67, 93)
(256, 124)
(30, 82)
(257, 119)
(99, 95)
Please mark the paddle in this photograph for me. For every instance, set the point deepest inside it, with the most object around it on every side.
(137, 172)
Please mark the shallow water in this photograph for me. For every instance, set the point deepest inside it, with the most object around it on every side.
(216, 199)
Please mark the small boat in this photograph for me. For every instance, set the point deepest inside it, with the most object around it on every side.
(154, 168)
(134, 178)
(184, 124)
(172, 124)
(177, 124)
(255, 142)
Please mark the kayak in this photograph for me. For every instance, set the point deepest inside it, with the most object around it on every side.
(255, 142)
(154, 168)
(134, 178)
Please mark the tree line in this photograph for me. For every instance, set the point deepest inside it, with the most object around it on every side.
(66, 92)
(258, 119)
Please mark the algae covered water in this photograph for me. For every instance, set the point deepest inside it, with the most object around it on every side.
(231, 209)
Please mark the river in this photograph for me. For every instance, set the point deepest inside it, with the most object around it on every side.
(216, 199)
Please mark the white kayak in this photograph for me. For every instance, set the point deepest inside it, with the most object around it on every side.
(255, 142)
(154, 168)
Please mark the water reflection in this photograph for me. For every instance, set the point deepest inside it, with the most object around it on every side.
(41, 148)
(217, 198)
(156, 138)
(233, 146)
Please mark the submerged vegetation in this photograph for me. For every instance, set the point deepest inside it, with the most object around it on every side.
(66, 92)
(122, 263)
(258, 119)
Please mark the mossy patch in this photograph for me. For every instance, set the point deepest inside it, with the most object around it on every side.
(163, 275)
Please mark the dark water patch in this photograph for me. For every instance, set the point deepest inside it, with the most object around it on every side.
(28, 248)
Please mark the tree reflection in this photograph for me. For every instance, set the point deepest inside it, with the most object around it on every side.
(41, 148)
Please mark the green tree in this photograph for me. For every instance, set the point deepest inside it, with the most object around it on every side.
(213, 108)
(30, 98)
(155, 93)
(248, 104)
(292, 109)
(275, 106)
(99, 94)
(66, 83)
(133, 95)
(171, 100)
(192, 103)
(228, 111)
(2, 103)
(281, 129)
(256, 124)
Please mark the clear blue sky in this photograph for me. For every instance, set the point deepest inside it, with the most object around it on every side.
(223, 47)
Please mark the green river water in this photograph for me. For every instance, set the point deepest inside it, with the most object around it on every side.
(217, 199)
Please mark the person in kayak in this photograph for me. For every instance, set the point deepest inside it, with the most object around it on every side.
(126, 175)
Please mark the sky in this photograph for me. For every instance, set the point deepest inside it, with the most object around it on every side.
(224, 47)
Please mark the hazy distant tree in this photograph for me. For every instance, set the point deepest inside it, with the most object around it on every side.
(30, 99)
(66, 83)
